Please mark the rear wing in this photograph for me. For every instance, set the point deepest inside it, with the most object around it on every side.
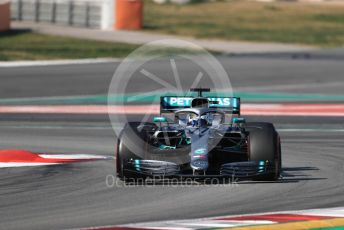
(226, 104)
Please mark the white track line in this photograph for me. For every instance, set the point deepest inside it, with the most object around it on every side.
(218, 222)
(74, 156)
(10, 64)
(24, 164)
(77, 157)
(337, 212)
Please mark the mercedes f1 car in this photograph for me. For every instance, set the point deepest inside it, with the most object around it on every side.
(199, 142)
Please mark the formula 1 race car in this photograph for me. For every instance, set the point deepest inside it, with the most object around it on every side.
(198, 142)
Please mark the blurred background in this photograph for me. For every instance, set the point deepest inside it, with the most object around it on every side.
(83, 28)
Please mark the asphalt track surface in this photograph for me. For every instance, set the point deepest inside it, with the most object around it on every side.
(76, 195)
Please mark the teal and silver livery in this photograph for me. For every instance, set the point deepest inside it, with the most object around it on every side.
(204, 137)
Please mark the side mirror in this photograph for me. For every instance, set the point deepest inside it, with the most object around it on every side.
(159, 119)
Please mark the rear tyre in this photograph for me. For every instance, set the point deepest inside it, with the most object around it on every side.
(265, 146)
(133, 136)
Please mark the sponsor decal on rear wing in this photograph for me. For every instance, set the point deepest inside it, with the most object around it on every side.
(226, 104)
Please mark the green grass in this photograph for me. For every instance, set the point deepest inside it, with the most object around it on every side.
(21, 45)
(284, 22)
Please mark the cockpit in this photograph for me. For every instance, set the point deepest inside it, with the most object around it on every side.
(196, 118)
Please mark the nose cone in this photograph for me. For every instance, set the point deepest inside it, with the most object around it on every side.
(199, 159)
(199, 149)
(200, 164)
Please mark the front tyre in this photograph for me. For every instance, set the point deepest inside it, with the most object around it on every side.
(133, 133)
(265, 145)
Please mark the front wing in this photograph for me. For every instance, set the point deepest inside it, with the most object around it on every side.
(165, 169)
